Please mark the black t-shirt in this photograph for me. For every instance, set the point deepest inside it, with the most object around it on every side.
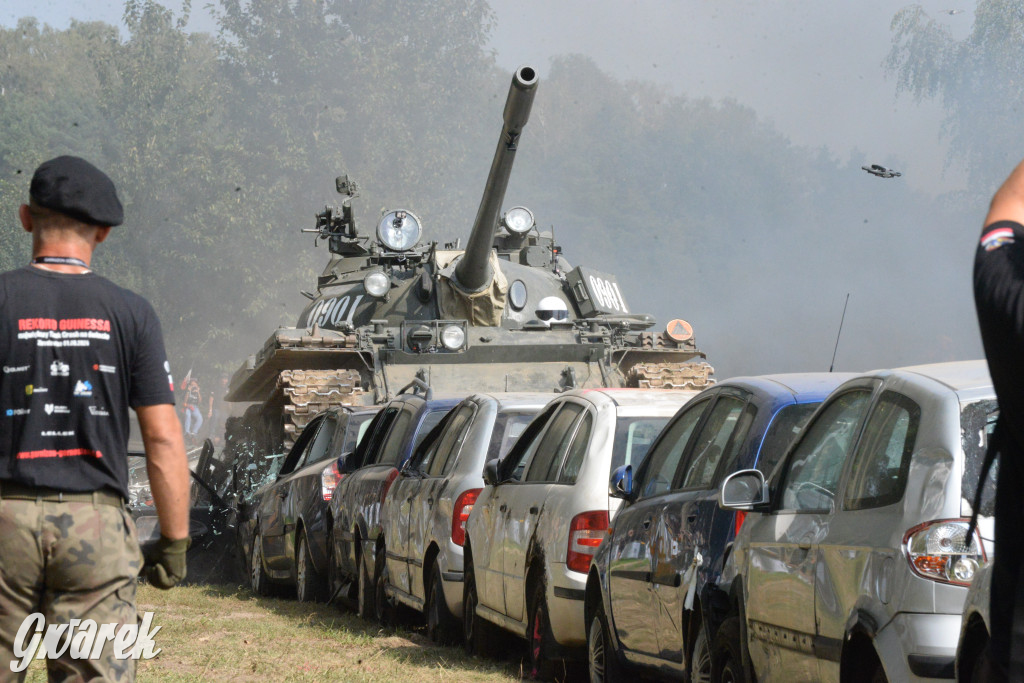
(999, 297)
(77, 351)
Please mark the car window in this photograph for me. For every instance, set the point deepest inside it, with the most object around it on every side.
(508, 426)
(293, 460)
(375, 433)
(577, 450)
(714, 437)
(634, 436)
(977, 424)
(656, 477)
(423, 455)
(390, 450)
(451, 441)
(786, 424)
(357, 426)
(548, 458)
(882, 459)
(817, 461)
(429, 421)
(515, 462)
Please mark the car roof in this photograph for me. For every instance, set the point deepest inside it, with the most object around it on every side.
(799, 386)
(517, 399)
(970, 379)
(625, 398)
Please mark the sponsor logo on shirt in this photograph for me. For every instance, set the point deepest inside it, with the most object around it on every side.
(33, 389)
(8, 369)
(109, 369)
(11, 412)
(56, 433)
(98, 411)
(53, 409)
(83, 388)
(993, 239)
(170, 380)
(59, 369)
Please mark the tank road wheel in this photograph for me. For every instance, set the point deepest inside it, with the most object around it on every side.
(441, 625)
(539, 632)
(602, 661)
(309, 585)
(258, 580)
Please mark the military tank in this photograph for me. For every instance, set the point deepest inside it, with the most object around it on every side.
(506, 313)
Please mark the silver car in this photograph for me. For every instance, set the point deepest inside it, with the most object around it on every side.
(543, 512)
(975, 630)
(425, 511)
(854, 563)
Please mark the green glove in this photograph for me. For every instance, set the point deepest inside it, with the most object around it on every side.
(165, 562)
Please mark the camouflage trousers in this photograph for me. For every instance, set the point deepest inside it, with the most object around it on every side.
(67, 561)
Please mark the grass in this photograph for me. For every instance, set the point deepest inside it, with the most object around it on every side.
(223, 633)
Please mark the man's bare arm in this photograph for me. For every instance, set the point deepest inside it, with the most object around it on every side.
(167, 466)
(1008, 202)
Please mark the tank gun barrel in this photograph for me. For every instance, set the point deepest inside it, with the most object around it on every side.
(473, 272)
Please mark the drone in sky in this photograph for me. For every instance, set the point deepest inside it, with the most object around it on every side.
(881, 171)
(952, 12)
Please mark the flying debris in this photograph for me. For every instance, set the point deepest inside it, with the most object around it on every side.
(881, 171)
(952, 12)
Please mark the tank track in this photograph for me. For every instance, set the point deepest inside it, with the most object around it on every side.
(671, 376)
(309, 392)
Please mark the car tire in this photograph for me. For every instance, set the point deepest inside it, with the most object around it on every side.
(382, 607)
(602, 661)
(309, 584)
(364, 589)
(700, 660)
(727, 655)
(442, 628)
(478, 634)
(258, 579)
(539, 636)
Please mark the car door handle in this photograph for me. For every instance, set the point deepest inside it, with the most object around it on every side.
(534, 510)
(502, 507)
(647, 522)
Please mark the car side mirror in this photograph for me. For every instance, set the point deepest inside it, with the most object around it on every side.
(744, 490)
(621, 483)
(491, 472)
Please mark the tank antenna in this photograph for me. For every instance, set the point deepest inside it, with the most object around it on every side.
(840, 333)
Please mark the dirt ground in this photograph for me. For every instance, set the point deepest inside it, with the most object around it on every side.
(221, 633)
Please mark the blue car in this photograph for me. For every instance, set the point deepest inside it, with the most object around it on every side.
(651, 599)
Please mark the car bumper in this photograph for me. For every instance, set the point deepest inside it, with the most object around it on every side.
(919, 647)
(565, 593)
(453, 578)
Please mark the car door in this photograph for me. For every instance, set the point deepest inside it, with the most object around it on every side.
(783, 545)
(487, 521)
(300, 486)
(852, 568)
(683, 523)
(630, 558)
(527, 499)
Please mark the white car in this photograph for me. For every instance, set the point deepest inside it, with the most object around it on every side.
(544, 510)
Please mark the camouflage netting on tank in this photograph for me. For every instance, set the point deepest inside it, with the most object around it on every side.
(483, 308)
(309, 392)
(670, 375)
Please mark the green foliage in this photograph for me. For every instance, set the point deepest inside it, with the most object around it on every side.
(978, 80)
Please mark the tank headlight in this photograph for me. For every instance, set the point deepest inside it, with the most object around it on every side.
(399, 230)
(453, 337)
(377, 284)
(518, 220)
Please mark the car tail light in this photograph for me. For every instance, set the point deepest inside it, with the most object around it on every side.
(460, 513)
(941, 551)
(392, 475)
(329, 478)
(586, 532)
(741, 515)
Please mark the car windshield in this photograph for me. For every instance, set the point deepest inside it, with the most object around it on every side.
(977, 421)
(508, 425)
(633, 438)
(785, 426)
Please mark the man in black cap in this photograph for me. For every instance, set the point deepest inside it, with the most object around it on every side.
(999, 297)
(77, 352)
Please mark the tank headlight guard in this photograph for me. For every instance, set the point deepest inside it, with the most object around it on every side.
(518, 220)
(377, 284)
(453, 337)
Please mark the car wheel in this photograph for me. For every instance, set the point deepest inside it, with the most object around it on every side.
(602, 662)
(441, 625)
(477, 633)
(726, 655)
(364, 589)
(700, 661)
(309, 585)
(332, 569)
(382, 611)
(258, 580)
(539, 634)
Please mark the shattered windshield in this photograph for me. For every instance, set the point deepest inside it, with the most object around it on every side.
(977, 422)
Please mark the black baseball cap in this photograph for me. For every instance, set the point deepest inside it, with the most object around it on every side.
(74, 187)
